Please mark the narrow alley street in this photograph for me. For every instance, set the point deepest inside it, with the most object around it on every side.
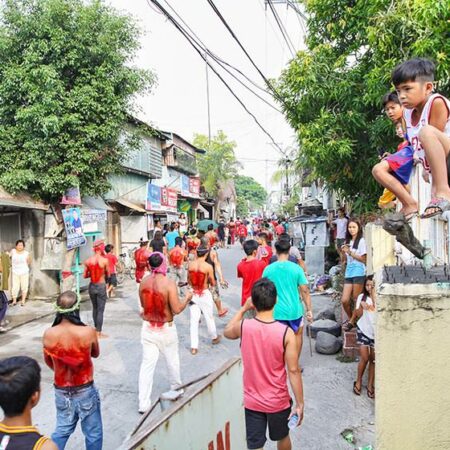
(330, 405)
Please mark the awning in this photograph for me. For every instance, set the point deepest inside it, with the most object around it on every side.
(203, 210)
(130, 205)
(95, 203)
(21, 200)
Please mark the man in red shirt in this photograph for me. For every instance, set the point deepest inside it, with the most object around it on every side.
(279, 229)
(242, 233)
(97, 269)
(265, 251)
(111, 281)
(177, 262)
(250, 269)
(141, 256)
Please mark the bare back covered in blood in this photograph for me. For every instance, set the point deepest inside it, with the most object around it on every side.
(198, 281)
(96, 268)
(154, 300)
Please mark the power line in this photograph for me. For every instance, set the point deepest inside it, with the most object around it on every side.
(282, 29)
(203, 56)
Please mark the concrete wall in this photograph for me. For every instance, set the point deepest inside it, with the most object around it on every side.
(380, 248)
(413, 367)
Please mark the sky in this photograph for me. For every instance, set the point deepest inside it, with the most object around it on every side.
(178, 102)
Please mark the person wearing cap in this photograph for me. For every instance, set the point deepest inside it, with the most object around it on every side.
(97, 269)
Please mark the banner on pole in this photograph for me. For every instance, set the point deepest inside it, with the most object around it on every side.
(74, 228)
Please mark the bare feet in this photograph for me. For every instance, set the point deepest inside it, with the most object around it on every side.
(101, 335)
(194, 351)
(216, 340)
(223, 312)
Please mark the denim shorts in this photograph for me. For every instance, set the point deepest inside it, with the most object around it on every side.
(362, 339)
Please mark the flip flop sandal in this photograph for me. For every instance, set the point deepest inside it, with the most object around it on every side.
(370, 394)
(440, 205)
(410, 216)
(356, 391)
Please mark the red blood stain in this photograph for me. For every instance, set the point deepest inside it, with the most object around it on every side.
(197, 281)
(192, 245)
(176, 257)
(72, 364)
(96, 272)
(154, 305)
(141, 258)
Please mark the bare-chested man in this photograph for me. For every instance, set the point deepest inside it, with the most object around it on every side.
(69, 346)
(201, 278)
(159, 303)
(97, 269)
(212, 236)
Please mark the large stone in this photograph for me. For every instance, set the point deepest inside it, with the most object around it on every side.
(327, 344)
(327, 313)
(326, 325)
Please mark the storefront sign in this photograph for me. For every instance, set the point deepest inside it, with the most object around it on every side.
(74, 228)
(169, 199)
(185, 185)
(194, 186)
(72, 196)
(153, 201)
(91, 219)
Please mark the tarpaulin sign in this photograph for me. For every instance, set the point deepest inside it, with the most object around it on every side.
(74, 228)
(153, 201)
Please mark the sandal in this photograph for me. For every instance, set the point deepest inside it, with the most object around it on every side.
(410, 216)
(438, 205)
(371, 393)
(356, 391)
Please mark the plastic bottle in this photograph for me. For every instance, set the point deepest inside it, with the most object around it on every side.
(293, 421)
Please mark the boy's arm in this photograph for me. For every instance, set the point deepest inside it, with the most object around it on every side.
(212, 281)
(95, 348)
(438, 114)
(176, 305)
(294, 373)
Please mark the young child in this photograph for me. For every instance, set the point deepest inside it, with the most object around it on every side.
(427, 118)
(394, 171)
(250, 269)
(366, 316)
(112, 278)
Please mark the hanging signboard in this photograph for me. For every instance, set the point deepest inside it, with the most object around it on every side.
(185, 185)
(72, 196)
(194, 186)
(91, 219)
(169, 199)
(74, 228)
(153, 201)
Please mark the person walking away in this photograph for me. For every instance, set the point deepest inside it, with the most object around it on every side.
(294, 253)
(341, 230)
(171, 236)
(97, 269)
(69, 346)
(427, 118)
(242, 232)
(279, 228)
(213, 259)
(355, 270)
(159, 303)
(20, 392)
(158, 244)
(177, 261)
(111, 281)
(269, 357)
(201, 277)
(265, 251)
(232, 231)
(20, 268)
(250, 269)
(211, 235)
(292, 289)
(141, 256)
(221, 234)
(365, 318)
(192, 243)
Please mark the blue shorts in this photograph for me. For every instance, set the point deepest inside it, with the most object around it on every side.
(295, 325)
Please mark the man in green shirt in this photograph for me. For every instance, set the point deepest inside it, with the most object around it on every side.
(292, 289)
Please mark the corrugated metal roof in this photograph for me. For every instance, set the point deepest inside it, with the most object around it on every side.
(20, 200)
(130, 205)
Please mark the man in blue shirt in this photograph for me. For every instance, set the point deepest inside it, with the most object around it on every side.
(171, 236)
(292, 288)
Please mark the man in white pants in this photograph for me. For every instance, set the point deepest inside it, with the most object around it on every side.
(159, 303)
(201, 277)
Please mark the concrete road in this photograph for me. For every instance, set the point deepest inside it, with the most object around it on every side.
(331, 406)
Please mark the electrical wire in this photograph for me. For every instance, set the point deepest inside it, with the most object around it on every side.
(204, 57)
(282, 29)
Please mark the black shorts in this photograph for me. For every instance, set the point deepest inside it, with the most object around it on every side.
(256, 425)
(112, 280)
(355, 280)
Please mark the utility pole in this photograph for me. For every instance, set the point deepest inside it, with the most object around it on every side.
(207, 101)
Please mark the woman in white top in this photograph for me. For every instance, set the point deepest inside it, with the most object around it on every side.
(365, 314)
(20, 268)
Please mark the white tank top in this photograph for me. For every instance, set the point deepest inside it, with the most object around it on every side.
(413, 130)
(19, 262)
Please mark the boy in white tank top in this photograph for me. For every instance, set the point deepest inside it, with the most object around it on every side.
(427, 118)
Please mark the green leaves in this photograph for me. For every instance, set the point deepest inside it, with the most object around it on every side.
(249, 193)
(66, 86)
(332, 91)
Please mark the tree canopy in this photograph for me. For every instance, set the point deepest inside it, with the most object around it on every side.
(218, 164)
(249, 194)
(331, 92)
(66, 86)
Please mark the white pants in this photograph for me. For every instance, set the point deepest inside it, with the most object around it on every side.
(155, 340)
(202, 304)
(19, 284)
